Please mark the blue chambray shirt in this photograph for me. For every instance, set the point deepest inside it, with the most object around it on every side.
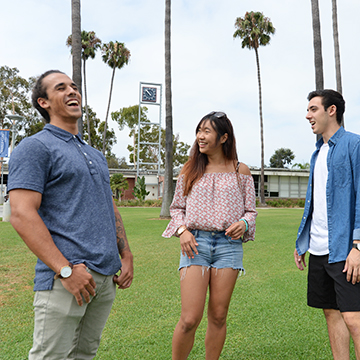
(342, 196)
(76, 206)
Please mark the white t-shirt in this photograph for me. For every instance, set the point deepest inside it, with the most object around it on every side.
(319, 235)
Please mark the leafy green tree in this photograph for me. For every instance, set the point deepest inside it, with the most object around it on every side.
(96, 132)
(140, 189)
(129, 116)
(303, 166)
(118, 184)
(116, 55)
(149, 153)
(76, 49)
(117, 163)
(281, 158)
(90, 43)
(168, 177)
(254, 29)
(15, 92)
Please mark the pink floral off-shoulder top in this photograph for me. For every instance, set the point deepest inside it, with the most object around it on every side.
(215, 201)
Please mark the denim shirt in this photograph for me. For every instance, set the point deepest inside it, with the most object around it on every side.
(342, 190)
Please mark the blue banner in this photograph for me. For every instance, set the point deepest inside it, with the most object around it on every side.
(4, 143)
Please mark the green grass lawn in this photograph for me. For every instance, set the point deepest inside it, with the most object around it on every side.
(268, 317)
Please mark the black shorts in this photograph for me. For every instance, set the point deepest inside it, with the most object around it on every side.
(328, 287)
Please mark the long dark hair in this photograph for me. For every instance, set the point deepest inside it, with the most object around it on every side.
(194, 168)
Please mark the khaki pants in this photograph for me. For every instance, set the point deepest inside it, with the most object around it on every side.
(65, 330)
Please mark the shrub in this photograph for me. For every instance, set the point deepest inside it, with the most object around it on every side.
(136, 202)
(283, 203)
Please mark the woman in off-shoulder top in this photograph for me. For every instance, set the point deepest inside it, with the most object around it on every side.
(213, 214)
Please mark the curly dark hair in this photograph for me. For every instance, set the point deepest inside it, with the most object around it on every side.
(40, 92)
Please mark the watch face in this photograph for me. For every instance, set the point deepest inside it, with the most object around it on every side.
(66, 272)
(149, 94)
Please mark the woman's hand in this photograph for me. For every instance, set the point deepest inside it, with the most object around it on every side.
(188, 244)
(236, 230)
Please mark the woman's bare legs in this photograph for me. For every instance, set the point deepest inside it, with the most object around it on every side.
(193, 295)
(222, 283)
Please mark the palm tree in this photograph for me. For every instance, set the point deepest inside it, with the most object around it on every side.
(337, 50)
(90, 43)
(118, 184)
(116, 55)
(319, 72)
(254, 29)
(76, 49)
(168, 178)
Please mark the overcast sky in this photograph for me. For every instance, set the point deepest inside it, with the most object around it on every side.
(210, 70)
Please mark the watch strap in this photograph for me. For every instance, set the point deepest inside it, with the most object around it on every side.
(356, 246)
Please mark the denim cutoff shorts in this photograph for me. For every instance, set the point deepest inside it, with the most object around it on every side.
(216, 250)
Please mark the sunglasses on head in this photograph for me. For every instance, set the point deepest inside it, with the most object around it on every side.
(217, 114)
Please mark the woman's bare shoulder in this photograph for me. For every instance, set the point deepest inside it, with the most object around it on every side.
(244, 169)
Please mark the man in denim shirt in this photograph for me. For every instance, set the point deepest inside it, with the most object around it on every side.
(330, 227)
(62, 207)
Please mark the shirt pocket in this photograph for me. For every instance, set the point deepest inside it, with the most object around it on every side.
(342, 174)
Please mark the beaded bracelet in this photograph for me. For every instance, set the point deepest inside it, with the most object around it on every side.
(246, 224)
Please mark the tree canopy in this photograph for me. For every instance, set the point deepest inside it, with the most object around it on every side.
(116, 55)
(96, 132)
(281, 158)
(150, 134)
(15, 92)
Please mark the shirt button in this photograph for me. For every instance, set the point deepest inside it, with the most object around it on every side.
(79, 145)
(90, 162)
(85, 154)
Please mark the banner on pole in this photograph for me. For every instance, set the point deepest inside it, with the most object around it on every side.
(4, 143)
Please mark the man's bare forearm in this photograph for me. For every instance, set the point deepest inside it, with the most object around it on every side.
(121, 238)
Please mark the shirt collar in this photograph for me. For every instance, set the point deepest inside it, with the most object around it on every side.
(333, 140)
(62, 134)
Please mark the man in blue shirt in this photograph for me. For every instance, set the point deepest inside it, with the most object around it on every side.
(330, 227)
(62, 207)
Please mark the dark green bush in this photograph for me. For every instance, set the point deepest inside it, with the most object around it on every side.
(283, 203)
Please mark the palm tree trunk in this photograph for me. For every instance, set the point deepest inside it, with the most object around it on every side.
(337, 50)
(168, 178)
(76, 49)
(262, 176)
(319, 75)
(108, 109)
(86, 107)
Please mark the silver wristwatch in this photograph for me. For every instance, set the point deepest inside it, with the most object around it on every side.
(356, 246)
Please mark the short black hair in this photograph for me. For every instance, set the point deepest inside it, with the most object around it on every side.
(40, 92)
(330, 97)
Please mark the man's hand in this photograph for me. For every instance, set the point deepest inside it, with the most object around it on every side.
(80, 283)
(124, 279)
(352, 266)
(299, 260)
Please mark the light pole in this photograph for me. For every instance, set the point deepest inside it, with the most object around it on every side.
(13, 118)
(2, 182)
